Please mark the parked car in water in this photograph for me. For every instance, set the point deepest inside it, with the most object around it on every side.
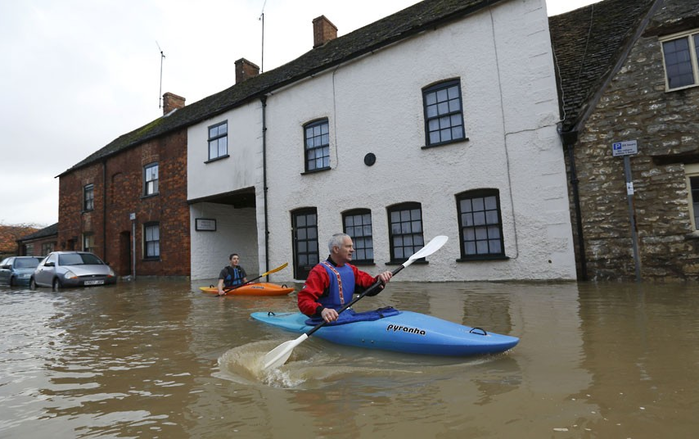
(16, 270)
(72, 269)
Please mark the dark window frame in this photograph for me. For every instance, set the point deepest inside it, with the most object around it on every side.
(151, 247)
(316, 144)
(480, 224)
(680, 72)
(363, 243)
(151, 186)
(443, 110)
(89, 197)
(405, 231)
(216, 137)
(305, 241)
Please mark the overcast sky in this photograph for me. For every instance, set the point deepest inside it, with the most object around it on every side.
(76, 74)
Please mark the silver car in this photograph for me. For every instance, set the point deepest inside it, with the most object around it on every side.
(72, 269)
(16, 270)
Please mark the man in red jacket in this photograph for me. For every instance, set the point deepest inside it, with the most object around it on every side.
(331, 283)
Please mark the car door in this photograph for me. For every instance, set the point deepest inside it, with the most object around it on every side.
(45, 271)
(5, 270)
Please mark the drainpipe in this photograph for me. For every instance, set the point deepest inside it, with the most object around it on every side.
(104, 210)
(263, 99)
(569, 139)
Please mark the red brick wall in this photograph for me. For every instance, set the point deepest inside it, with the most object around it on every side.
(124, 195)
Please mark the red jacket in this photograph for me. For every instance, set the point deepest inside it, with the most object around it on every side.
(318, 283)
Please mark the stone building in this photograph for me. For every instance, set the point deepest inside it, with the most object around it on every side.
(629, 90)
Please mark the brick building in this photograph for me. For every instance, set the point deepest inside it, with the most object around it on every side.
(121, 201)
(629, 73)
(38, 243)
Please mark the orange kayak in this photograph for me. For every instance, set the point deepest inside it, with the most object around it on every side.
(258, 289)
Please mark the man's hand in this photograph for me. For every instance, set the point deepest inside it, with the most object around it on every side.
(329, 315)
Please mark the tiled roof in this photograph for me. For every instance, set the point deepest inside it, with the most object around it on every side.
(403, 24)
(587, 43)
(43, 233)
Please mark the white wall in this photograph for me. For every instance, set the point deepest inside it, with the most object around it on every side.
(244, 166)
(210, 250)
(236, 228)
(504, 61)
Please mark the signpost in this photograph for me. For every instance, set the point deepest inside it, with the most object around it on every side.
(626, 149)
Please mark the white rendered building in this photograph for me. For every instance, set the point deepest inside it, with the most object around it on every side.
(437, 120)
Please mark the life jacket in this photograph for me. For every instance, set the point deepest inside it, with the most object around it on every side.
(233, 278)
(341, 287)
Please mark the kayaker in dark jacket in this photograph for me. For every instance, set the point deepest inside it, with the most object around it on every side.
(332, 283)
(231, 275)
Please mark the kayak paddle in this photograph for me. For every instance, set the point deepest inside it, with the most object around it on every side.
(278, 356)
(281, 267)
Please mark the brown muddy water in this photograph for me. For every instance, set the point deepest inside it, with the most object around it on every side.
(159, 359)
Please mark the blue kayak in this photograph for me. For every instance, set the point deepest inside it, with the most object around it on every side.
(401, 331)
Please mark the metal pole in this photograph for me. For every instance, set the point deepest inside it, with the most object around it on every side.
(133, 249)
(629, 197)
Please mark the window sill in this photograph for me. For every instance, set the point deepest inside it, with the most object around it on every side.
(315, 171)
(692, 236)
(156, 259)
(483, 258)
(451, 142)
(216, 159)
(150, 195)
(364, 263)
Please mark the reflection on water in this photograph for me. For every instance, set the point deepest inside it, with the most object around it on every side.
(160, 359)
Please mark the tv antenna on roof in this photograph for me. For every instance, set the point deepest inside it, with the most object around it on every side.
(162, 57)
(262, 18)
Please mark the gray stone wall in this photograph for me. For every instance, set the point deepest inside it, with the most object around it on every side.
(666, 125)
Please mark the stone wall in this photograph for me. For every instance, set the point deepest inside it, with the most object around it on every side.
(637, 107)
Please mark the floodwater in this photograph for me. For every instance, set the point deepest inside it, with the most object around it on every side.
(159, 359)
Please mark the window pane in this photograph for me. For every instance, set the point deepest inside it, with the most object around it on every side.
(479, 219)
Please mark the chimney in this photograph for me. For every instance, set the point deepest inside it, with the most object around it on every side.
(323, 31)
(172, 102)
(244, 70)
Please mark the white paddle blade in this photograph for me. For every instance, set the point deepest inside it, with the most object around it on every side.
(431, 247)
(278, 356)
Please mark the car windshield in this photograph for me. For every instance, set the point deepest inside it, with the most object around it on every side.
(27, 262)
(79, 259)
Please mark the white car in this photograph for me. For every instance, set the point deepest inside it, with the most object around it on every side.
(72, 269)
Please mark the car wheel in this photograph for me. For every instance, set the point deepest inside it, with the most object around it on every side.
(12, 281)
(32, 284)
(56, 284)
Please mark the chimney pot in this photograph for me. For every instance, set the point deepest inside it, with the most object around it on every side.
(245, 70)
(172, 102)
(323, 31)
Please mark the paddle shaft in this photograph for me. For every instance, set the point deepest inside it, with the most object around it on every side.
(231, 288)
(355, 300)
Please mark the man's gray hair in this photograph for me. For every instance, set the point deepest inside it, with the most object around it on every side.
(336, 241)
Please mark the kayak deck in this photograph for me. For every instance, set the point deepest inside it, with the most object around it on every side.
(255, 289)
(407, 331)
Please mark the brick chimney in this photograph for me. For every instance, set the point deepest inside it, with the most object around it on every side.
(172, 102)
(323, 31)
(244, 70)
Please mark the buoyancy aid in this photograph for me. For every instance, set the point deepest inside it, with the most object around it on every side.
(341, 287)
(234, 277)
